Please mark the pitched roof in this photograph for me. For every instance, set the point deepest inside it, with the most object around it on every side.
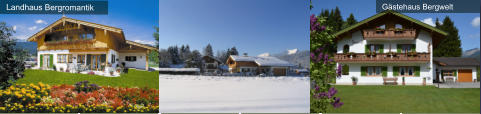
(456, 61)
(85, 23)
(141, 45)
(262, 61)
(390, 12)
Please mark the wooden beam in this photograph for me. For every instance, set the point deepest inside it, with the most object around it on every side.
(146, 62)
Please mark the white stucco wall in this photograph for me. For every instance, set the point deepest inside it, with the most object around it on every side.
(139, 64)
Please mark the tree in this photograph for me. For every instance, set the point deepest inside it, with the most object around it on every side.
(174, 54)
(156, 36)
(222, 56)
(195, 60)
(11, 67)
(350, 21)
(450, 46)
(437, 23)
(208, 50)
(164, 58)
(233, 51)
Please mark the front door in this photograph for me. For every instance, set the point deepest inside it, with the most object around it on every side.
(465, 75)
(46, 61)
(97, 62)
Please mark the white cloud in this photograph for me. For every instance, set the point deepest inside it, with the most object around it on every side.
(40, 21)
(475, 22)
(14, 28)
(145, 42)
(429, 21)
(264, 55)
(291, 51)
(32, 28)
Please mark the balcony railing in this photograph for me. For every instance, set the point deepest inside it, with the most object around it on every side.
(372, 34)
(383, 58)
(76, 44)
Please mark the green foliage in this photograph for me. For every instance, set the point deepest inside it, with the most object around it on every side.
(450, 46)
(154, 57)
(11, 67)
(350, 21)
(41, 61)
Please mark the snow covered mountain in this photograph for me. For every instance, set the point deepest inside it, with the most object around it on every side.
(295, 56)
(472, 53)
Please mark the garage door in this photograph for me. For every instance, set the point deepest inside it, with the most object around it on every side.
(279, 71)
(465, 75)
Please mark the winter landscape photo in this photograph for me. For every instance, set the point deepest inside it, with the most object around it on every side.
(231, 56)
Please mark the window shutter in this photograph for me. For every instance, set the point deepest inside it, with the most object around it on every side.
(398, 48)
(455, 73)
(384, 71)
(363, 71)
(381, 50)
(395, 70)
(41, 61)
(417, 70)
(51, 61)
(413, 48)
(366, 49)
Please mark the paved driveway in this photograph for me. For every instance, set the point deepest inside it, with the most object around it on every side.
(458, 85)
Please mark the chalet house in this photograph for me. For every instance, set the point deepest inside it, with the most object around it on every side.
(211, 64)
(455, 69)
(386, 47)
(79, 45)
(258, 65)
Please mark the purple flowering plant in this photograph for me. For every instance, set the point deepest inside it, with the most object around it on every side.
(323, 67)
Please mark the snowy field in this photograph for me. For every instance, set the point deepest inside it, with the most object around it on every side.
(233, 94)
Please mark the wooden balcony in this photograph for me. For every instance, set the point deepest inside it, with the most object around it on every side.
(77, 44)
(382, 58)
(389, 34)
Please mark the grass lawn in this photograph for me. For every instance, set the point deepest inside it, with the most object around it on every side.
(135, 78)
(398, 99)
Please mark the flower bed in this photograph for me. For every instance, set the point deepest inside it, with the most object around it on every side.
(79, 98)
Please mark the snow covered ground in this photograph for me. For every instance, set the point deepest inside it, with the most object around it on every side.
(233, 94)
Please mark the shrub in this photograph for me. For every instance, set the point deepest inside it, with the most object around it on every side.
(91, 73)
(83, 86)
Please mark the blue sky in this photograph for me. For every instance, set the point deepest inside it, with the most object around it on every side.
(252, 26)
(137, 20)
(362, 9)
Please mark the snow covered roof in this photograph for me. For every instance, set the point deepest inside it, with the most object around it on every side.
(262, 61)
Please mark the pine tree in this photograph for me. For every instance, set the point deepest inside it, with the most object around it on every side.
(450, 46)
(338, 22)
(350, 21)
(233, 51)
(437, 24)
(208, 51)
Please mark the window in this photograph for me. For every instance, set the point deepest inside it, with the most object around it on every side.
(381, 27)
(130, 58)
(64, 58)
(406, 48)
(406, 71)
(87, 36)
(375, 48)
(398, 26)
(69, 58)
(345, 49)
(448, 73)
(112, 60)
(80, 58)
(374, 71)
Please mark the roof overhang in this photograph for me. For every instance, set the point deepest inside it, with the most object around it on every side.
(63, 20)
(141, 45)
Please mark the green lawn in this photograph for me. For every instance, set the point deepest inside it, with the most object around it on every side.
(398, 99)
(135, 78)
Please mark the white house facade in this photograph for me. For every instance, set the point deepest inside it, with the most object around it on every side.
(387, 46)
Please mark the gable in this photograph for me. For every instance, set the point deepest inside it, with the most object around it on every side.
(390, 19)
(66, 23)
